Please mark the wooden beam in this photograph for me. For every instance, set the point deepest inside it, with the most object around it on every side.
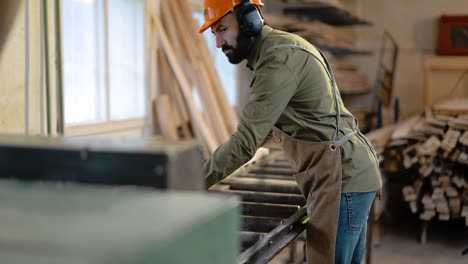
(227, 111)
(198, 73)
(197, 118)
(173, 90)
(162, 111)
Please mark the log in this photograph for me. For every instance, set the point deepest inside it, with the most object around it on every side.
(409, 194)
(450, 140)
(464, 138)
(403, 130)
(435, 164)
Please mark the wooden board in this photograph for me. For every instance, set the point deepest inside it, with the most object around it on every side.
(441, 74)
(205, 133)
(164, 118)
(456, 106)
(403, 129)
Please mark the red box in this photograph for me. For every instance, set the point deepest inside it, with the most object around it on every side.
(453, 35)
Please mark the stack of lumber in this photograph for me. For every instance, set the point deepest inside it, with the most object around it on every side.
(349, 79)
(431, 153)
(334, 3)
(182, 68)
(316, 32)
(457, 106)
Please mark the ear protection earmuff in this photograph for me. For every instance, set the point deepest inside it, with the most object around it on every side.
(250, 20)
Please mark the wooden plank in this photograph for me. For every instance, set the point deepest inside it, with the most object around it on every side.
(448, 69)
(444, 63)
(163, 118)
(455, 106)
(404, 128)
(174, 92)
(228, 112)
(197, 119)
(174, 36)
(153, 64)
(210, 105)
(380, 137)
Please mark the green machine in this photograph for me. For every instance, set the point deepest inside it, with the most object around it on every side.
(83, 200)
(149, 162)
(68, 223)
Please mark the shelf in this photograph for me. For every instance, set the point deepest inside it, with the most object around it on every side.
(357, 92)
(324, 12)
(339, 51)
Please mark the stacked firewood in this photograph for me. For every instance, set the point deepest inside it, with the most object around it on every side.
(432, 154)
(180, 68)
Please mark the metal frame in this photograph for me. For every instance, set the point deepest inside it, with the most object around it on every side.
(385, 79)
(270, 245)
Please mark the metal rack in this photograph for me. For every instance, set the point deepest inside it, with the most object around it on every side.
(329, 14)
(324, 12)
(339, 51)
(273, 213)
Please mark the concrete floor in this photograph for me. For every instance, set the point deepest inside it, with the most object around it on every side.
(400, 243)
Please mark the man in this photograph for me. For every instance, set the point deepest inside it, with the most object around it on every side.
(294, 100)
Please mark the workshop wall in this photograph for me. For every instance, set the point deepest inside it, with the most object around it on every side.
(23, 106)
(21, 110)
(414, 25)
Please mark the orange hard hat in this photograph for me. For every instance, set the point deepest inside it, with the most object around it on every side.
(214, 10)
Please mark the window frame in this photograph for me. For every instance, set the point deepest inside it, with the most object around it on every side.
(103, 122)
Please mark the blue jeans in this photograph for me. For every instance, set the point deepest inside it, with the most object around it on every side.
(352, 226)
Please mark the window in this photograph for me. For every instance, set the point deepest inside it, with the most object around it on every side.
(103, 54)
(225, 69)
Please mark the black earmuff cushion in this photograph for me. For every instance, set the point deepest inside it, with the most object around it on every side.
(250, 20)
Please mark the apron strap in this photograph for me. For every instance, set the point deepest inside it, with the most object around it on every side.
(329, 71)
(342, 140)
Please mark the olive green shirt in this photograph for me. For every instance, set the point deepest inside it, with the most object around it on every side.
(292, 91)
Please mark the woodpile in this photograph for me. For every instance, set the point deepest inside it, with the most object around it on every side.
(449, 107)
(182, 67)
(430, 155)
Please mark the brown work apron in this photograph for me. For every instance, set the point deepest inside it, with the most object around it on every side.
(319, 179)
(319, 173)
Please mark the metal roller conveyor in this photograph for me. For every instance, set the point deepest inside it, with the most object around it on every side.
(259, 224)
(268, 197)
(269, 210)
(279, 165)
(272, 207)
(263, 185)
(250, 238)
(272, 243)
(277, 171)
(266, 176)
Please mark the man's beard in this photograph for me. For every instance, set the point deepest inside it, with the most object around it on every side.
(240, 52)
